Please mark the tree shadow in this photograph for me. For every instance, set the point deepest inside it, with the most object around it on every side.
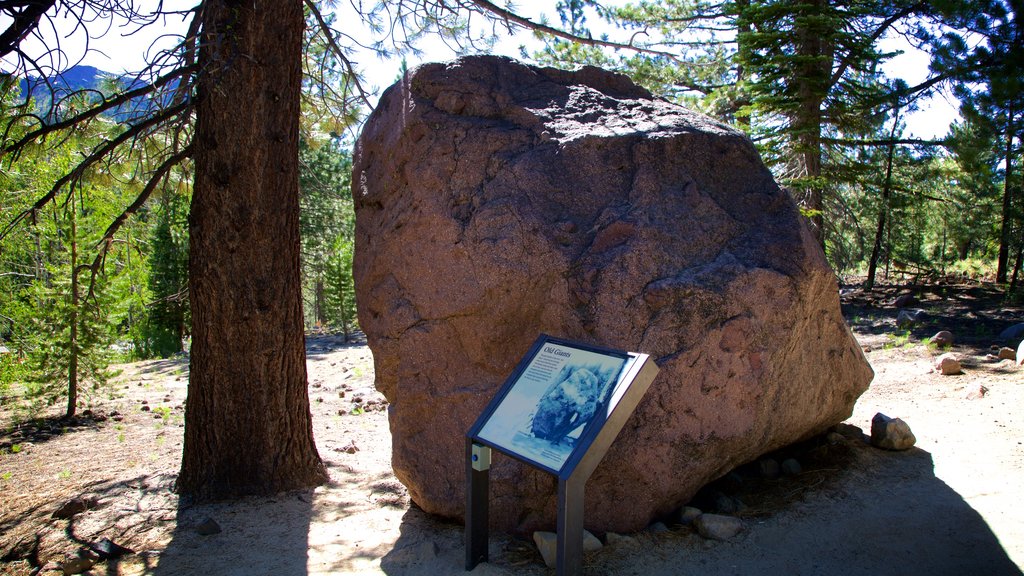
(269, 532)
(39, 430)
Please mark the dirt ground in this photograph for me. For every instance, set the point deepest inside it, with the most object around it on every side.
(951, 505)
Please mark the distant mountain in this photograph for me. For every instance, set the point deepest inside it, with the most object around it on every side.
(79, 78)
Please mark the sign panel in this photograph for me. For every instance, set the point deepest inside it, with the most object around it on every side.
(548, 404)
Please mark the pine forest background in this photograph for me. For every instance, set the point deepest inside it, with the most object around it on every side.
(94, 250)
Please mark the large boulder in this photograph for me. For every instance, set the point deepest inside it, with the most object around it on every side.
(496, 201)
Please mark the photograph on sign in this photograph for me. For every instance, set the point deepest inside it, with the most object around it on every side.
(552, 401)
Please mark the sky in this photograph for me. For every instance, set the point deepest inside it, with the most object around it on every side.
(115, 50)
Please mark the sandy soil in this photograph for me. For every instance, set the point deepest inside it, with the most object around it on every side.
(948, 506)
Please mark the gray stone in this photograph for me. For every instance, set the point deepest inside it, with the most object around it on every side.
(948, 364)
(769, 468)
(208, 527)
(942, 339)
(891, 433)
(909, 318)
(547, 544)
(718, 527)
(657, 528)
(496, 201)
(904, 300)
(621, 540)
(791, 467)
(688, 514)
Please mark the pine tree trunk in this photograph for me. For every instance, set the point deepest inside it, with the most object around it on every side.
(1007, 213)
(248, 428)
(813, 75)
(73, 320)
(883, 208)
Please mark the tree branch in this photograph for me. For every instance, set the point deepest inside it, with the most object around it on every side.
(98, 154)
(508, 16)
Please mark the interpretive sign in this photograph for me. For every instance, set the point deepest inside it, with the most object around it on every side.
(559, 411)
(543, 412)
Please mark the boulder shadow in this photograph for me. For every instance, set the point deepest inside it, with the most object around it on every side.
(882, 513)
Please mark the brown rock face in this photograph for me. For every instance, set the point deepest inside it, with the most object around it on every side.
(496, 201)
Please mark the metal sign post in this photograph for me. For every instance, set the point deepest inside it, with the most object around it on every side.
(558, 411)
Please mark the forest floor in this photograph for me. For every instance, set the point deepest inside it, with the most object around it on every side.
(950, 505)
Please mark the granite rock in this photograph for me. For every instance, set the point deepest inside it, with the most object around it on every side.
(497, 201)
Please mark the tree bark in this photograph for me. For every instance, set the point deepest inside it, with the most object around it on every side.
(883, 207)
(1007, 212)
(813, 75)
(248, 425)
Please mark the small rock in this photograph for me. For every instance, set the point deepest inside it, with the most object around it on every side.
(948, 364)
(657, 528)
(614, 539)
(688, 514)
(106, 548)
(547, 544)
(791, 467)
(849, 431)
(1006, 353)
(904, 300)
(73, 507)
(208, 527)
(145, 408)
(891, 433)
(835, 439)
(942, 339)
(717, 527)
(908, 318)
(977, 392)
(769, 468)
(350, 448)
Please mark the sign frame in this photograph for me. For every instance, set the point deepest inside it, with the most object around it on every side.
(571, 459)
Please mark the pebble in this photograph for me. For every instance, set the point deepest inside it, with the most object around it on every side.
(769, 467)
(73, 507)
(614, 539)
(977, 392)
(942, 339)
(208, 527)
(688, 514)
(1006, 353)
(948, 364)
(891, 433)
(717, 527)
(907, 318)
(904, 300)
(791, 467)
(547, 544)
